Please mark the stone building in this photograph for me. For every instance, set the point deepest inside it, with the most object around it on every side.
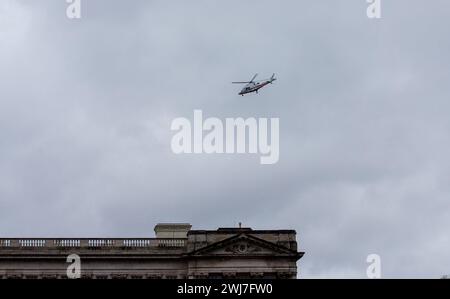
(176, 252)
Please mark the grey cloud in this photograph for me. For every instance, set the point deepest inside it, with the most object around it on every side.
(86, 106)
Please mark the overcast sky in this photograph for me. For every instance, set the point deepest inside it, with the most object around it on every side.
(86, 107)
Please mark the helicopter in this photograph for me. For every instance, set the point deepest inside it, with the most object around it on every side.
(254, 86)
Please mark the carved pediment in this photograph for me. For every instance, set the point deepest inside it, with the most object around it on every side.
(243, 245)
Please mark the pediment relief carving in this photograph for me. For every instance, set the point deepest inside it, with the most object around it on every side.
(243, 247)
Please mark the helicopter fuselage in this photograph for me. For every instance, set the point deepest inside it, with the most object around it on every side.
(253, 87)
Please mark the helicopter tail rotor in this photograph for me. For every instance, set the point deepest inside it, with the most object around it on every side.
(272, 79)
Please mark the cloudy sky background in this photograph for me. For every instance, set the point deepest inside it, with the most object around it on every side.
(86, 107)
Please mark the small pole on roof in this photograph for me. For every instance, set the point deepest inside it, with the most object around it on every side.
(240, 224)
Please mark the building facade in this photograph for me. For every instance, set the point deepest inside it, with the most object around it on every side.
(177, 252)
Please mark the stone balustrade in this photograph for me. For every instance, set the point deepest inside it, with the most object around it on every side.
(92, 243)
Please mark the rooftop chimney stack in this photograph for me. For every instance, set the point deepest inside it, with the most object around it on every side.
(172, 230)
